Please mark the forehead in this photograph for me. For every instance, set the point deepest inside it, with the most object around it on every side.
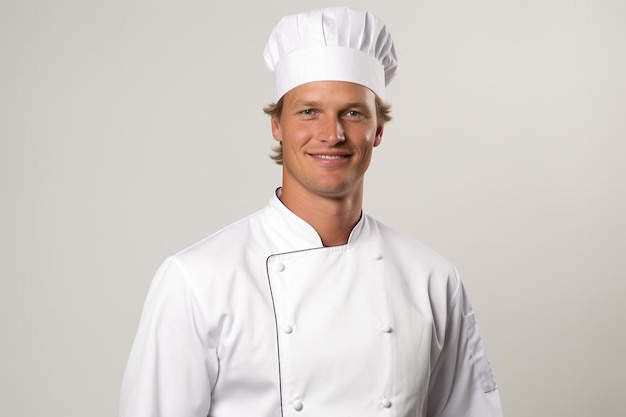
(330, 92)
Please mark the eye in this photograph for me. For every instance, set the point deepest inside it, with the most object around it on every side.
(354, 114)
(308, 112)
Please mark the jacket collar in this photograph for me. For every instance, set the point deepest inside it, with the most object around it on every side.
(291, 233)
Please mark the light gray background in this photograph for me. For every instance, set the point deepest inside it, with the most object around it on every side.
(130, 130)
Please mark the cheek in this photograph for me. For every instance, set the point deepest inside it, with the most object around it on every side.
(366, 137)
(365, 130)
(296, 135)
(291, 142)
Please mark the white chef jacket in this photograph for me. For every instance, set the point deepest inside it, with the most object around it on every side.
(261, 320)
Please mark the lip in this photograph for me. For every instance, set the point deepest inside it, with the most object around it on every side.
(329, 158)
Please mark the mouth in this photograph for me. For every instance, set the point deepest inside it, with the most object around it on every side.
(330, 160)
(330, 157)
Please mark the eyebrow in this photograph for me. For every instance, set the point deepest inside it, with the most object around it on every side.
(306, 103)
(357, 104)
(312, 103)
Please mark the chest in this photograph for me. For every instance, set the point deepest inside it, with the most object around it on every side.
(330, 329)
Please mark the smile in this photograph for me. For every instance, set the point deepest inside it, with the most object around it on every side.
(329, 156)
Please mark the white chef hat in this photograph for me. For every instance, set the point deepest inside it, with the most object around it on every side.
(335, 43)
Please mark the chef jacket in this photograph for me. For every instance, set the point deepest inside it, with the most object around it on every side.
(260, 319)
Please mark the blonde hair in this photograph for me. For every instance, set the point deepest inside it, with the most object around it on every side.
(383, 115)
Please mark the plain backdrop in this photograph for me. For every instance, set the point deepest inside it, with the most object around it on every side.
(130, 130)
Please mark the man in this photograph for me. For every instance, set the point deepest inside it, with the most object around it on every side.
(310, 307)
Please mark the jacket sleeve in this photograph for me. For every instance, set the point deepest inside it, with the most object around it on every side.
(461, 381)
(173, 364)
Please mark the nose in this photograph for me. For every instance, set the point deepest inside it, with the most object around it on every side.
(332, 132)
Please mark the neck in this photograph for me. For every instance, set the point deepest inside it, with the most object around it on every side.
(333, 218)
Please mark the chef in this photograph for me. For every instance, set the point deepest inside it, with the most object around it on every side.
(310, 307)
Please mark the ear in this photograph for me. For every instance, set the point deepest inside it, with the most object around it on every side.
(379, 135)
(276, 131)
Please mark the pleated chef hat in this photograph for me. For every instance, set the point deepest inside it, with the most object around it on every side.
(335, 43)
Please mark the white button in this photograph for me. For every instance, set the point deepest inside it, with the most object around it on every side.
(386, 328)
(377, 256)
(385, 403)
(297, 405)
(288, 329)
(280, 267)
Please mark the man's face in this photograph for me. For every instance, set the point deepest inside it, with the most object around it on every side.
(328, 130)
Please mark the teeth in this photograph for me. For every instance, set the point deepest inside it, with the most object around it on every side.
(329, 156)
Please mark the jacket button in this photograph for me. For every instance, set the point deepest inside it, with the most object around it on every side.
(297, 405)
(377, 256)
(386, 328)
(385, 403)
(280, 267)
(288, 329)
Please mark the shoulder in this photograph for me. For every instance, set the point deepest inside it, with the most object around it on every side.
(416, 264)
(223, 241)
(220, 249)
(402, 245)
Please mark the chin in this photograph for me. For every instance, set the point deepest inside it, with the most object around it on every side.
(335, 191)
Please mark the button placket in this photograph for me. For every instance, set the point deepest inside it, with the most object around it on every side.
(287, 327)
(385, 316)
(385, 327)
(283, 272)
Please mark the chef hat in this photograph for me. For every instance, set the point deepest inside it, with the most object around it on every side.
(336, 43)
